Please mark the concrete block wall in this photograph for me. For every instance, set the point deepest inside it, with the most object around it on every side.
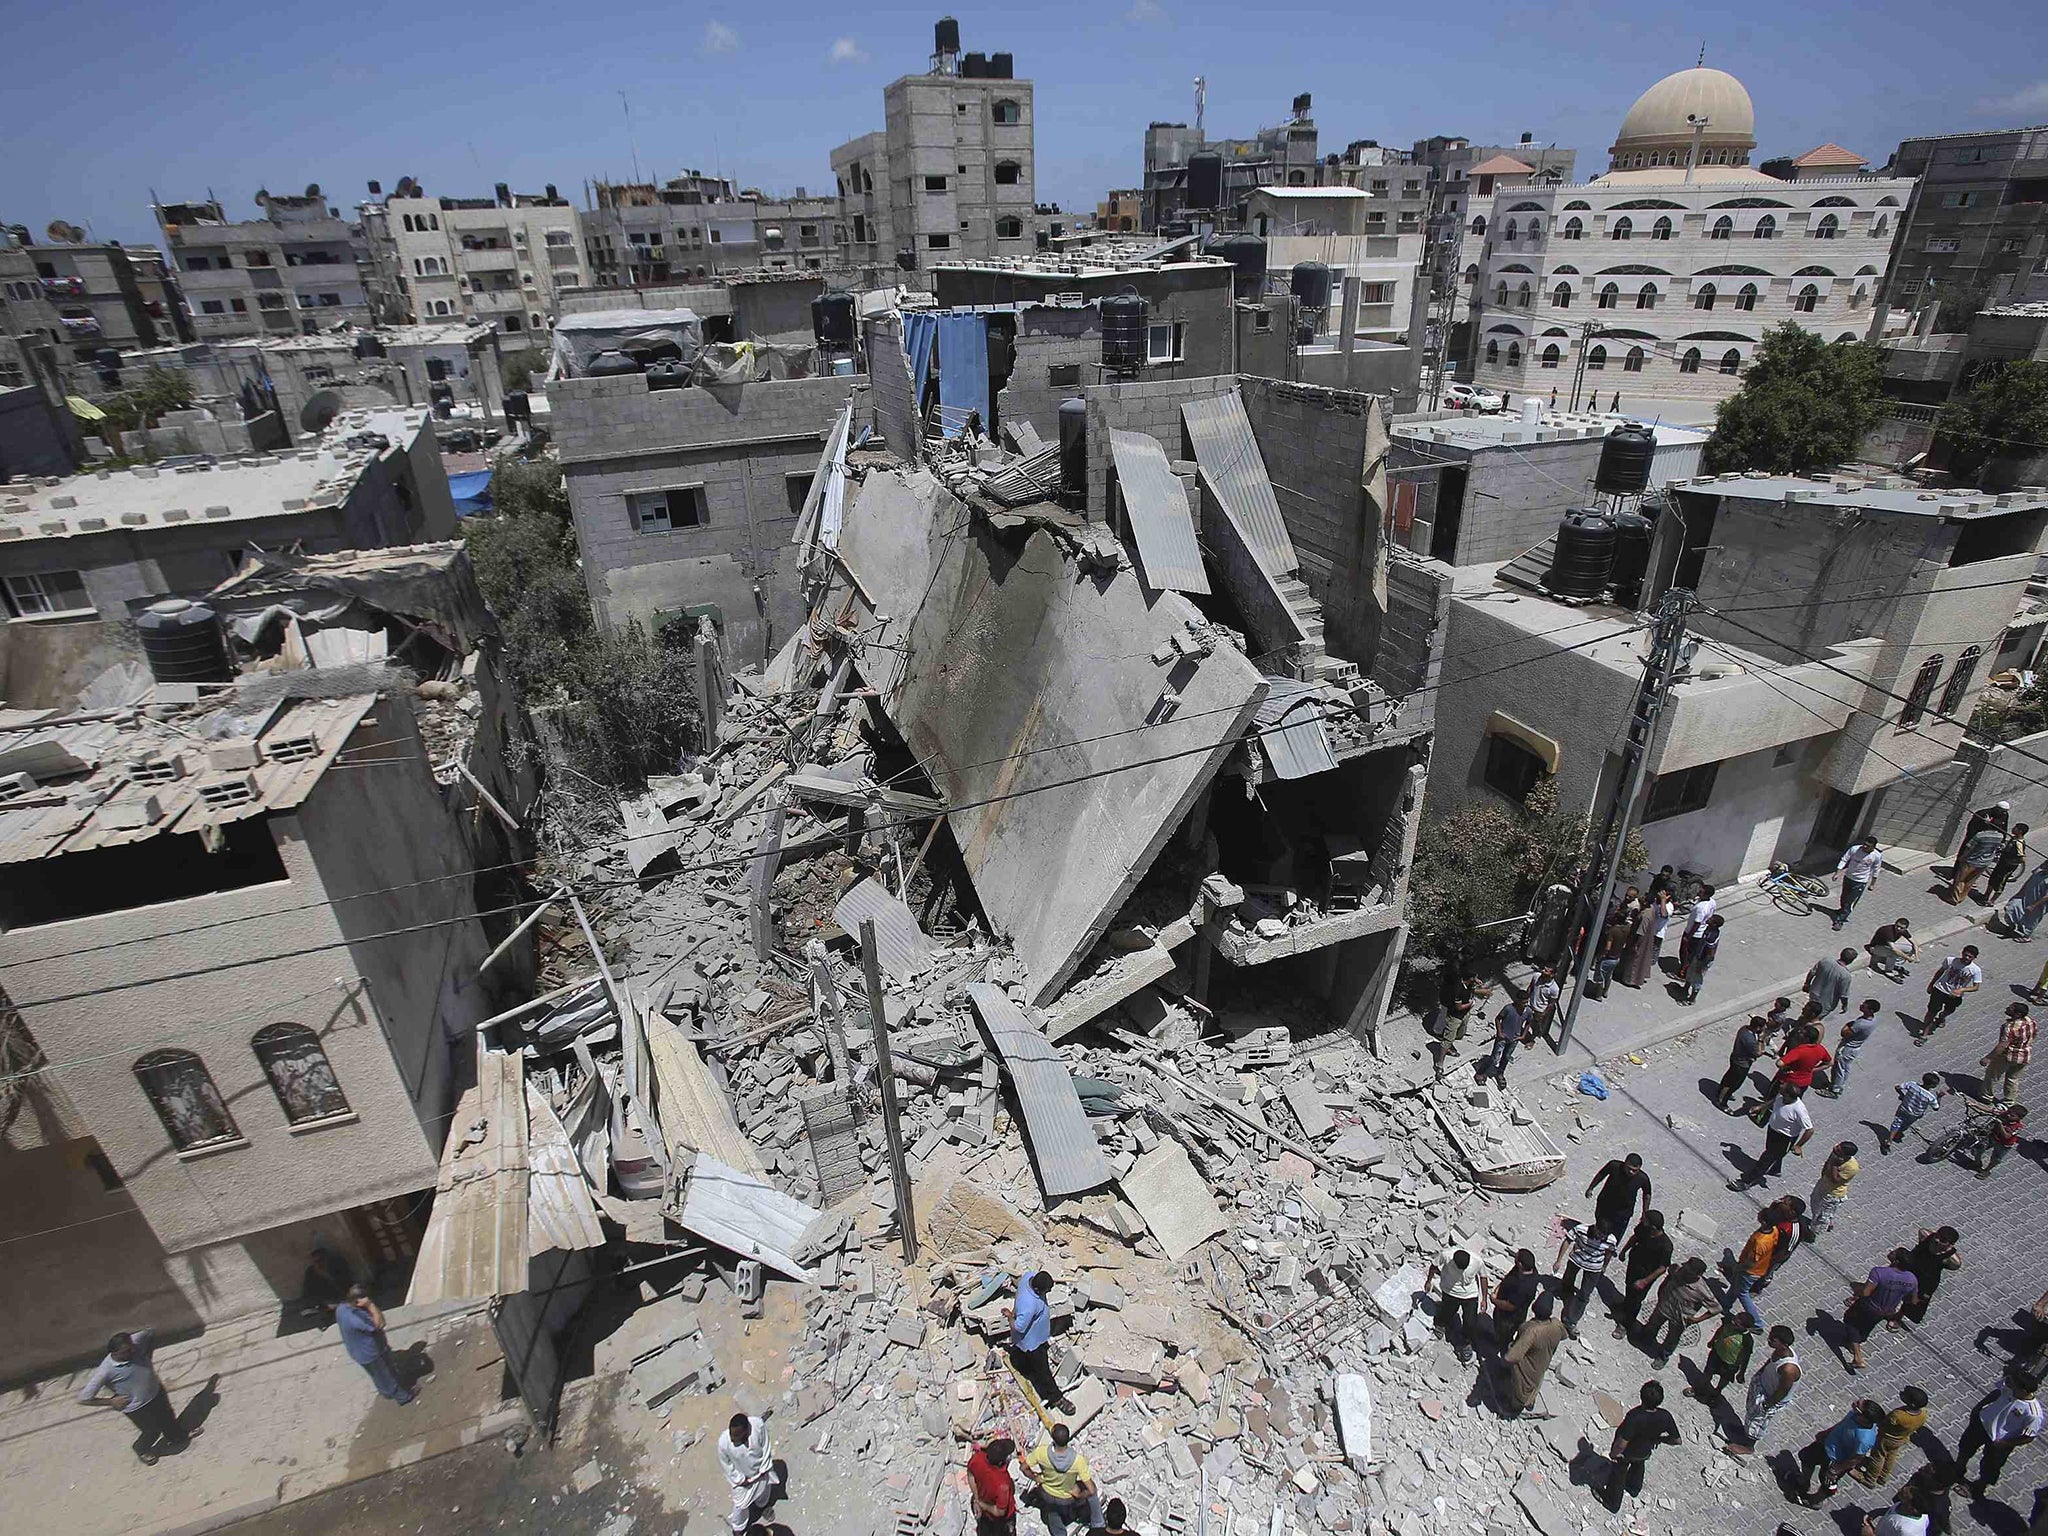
(895, 402)
(1149, 406)
(1929, 811)
(1050, 338)
(1410, 656)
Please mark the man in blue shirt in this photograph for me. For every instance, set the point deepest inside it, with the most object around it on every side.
(129, 1374)
(1031, 1340)
(361, 1324)
(1837, 1452)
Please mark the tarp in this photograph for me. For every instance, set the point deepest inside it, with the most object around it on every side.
(84, 409)
(1157, 507)
(963, 371)
(1235, 472)
(472, 492)
(580, 337)
(920, 332)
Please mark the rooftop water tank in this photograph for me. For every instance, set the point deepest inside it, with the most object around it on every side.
(1123, 331)
(183, 642)
(946, 36)
(1310, 282)
(1625, 460)
(611, 364)
(1001, 66)
(832, 318)
(1583, 562)
(1631, 557)
(1074, 447)
(1247, 256)
(667, 375)
(1205, 180)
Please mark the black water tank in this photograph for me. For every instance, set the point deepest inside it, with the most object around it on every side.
(1631, 557)
(1247, 254)
(667, 375)
(1205, 180)
(974, 66)
(1583, 562)
(1310, 282)
(1625, 459)
(611, 364)
(1123, 331)
(1074, 447)
(183, 643)
(1001, 66)
(832, 318)
(946, 36)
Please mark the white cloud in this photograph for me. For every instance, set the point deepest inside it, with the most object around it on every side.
(846, 51)
(719, 38)
(2028, 100)
(1145, 12)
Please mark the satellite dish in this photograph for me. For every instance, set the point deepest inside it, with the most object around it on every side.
(319, 411)
(63, 233)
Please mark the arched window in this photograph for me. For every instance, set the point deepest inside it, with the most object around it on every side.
(1827, 228)
(1661, 230)
(1610, 296)
(1704, 299)
(1808, 300)
(1746, 299)
(1514, 354)
(1509, 232)
(1724, 229)
(1551, 356)
(1959, 680)
(181, 1092)
(1535, 229)
(1561, 296)
(1690, 363)
(1880, 224)
(1856, 299)
(1596, 359)
(1478, 226)
(1766, 228)
(1623, 228)
(299, 1073)
(1493, 351)
(1500, 294)
(1006, 111)
(1731, 361)
(1522, 294)
(1921, 691)
(1574, 229)
(1472, 274)
(433, 221)
(1646, 297)
(1008, 173)
(1633, 363)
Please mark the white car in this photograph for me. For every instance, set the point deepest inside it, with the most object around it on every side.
(1469, 397)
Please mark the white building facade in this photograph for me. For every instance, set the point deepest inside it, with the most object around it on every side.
(500, 261)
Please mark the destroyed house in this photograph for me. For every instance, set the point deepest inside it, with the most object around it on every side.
(240, 928)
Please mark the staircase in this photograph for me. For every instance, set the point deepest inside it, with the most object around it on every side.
(1312, 664)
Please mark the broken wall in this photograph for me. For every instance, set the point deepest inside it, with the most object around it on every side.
(1409, 660)
(894, 395)
(1019, 679)
(1150, 406)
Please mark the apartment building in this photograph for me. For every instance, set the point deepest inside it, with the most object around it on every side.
(502, 260)
(867, 236)
(1977, 224)
(86, 297)
(956, 161)
(692, 226)
(1283, 156)
(292, 271)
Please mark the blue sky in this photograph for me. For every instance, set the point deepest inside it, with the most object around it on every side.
(107, 99)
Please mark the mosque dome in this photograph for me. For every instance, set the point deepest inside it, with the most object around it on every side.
(1660, 125)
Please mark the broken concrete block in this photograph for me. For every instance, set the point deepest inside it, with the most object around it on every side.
(1358, 1147)
(1698, 1226)
(1193, 1380)
(1181, 1457)
(1353, 1394)
(1395, 1296)
(907, 1330)
(1174, 1200)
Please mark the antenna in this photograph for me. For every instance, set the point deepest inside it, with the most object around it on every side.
(1703, 55)
(1201, 101)
(627, 107)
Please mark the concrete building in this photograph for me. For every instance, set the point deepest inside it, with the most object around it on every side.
(501, 261)
(1370, 237)
(1121, 212)
(685, 499)
(239, 939)
(867, 235)
(86, 297)
(79, 559)
(1282, 156)
(1659, 278)
(293, 271)
(1977, 224)
(1847, 626)
(955, 163)
(694, 226)
(1469, 489)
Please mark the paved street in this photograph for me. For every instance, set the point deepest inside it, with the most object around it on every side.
(1660, 1107)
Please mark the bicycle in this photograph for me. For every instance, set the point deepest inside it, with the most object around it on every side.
(1970, 1138)
(1797, 894)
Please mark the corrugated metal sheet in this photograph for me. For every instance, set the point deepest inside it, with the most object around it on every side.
(1291, 731)
(1157, 505)
(1235, 471)
(695, 1114)
(740, 1212)
(1062, 1142)
(560, 1212)
(832, 510)
(476, 1239)
(900, 944)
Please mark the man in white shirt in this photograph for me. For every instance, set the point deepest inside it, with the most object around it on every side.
(1859, 869)
(1955, 979)
(1696, 923)
(749, 1468)
(1788, 1128)
(2006, 1420)
(1461, 1296)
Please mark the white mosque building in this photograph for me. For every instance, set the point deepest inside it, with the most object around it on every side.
(1657, 280)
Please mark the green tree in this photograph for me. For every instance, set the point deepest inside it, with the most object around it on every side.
(1956, 304)
(1805, 405)
(148, 400)
(2000, 421)
(519, 368)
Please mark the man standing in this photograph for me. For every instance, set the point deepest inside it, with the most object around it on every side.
(1879, 1299)
(1684, 1298)
(1528, 1358)
(1648, 1257)
(1856, 1034)
(1838, 1451)
(1512, 1298)
(360, 1322)
(1827, 986)
(1065, 1493)
(1955, 979)
(1859, 869)
(1742, 1057)
(1706, 949)
(1543, 997)
(1461, 1293)
(1787, 1128)
(749, 1470)
(1831, 1189)
(992, 1489)
(1643, 1428)
(1696, 920)
(1974, 863)
(1752, 1266)
(1463, 994)
(1589, 1246)
(2003, 1421)
(1510, 1029)
(1916, 1102)
(1893, 1435)
(1726, 1360)
(1031, 1340)
(1769, 1390)
(2009, 1058)
(129, 1373)
(1621, 1182)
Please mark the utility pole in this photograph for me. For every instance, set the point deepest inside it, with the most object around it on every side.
(1667, 650)
(885, 1070)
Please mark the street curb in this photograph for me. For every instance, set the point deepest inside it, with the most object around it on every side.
(216, 1517)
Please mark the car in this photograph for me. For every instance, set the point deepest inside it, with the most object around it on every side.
(1470, 397)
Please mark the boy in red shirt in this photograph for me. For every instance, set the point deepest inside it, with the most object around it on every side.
(993, 1491)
